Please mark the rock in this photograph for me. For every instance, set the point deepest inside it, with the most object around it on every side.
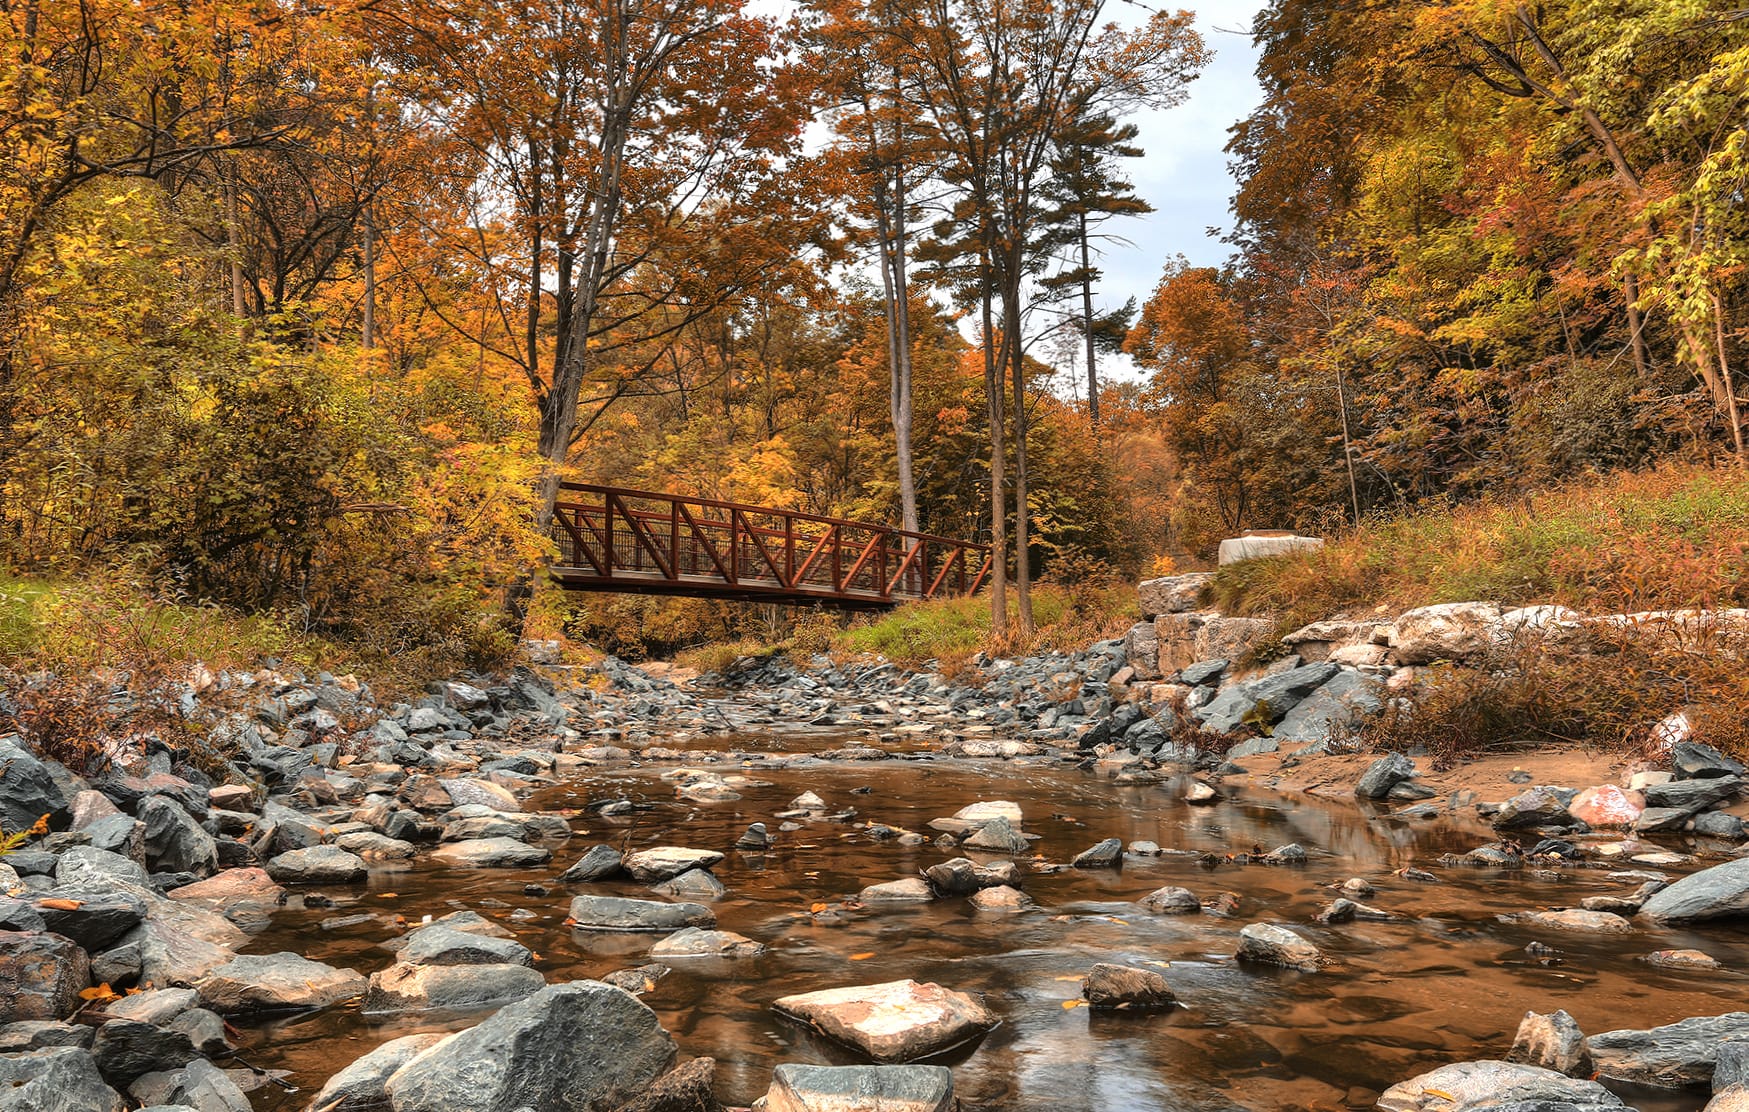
(1490, 1086)
(1538, 806)
(276, 982)
(484, 792)
(438, 944)
(1125, 986)
(1268, 944)
(1002, 898)
(614, 913)
(893, 1022)
(577, 1046)
(687, 1089)
(175, 843)
(372, 846)
(1694, 760)
(910, 890)
(1141, 647)
(1383, 775)
(1662, 820)
(639, 980)
(1553, 1042)
(997, 836)
(56, 1079)
(1693, 796)
(199, 1085)
(1683, 959)
(962, 876)
(1593, 922)
(1670, 1057)
(40, 1034)
(125, 1049)
(97, 918)
(28, 790)
(1172, 594)
(1236, 549)
(977, 814)
(1719, 824)
(80, 863)
(755, 839)
(404, 987)
(1721, 892)
(158, 1006)
(599, 862)
(318, 865)
(799, 1088)
(1337, 702)
(663, 862)
(693, 884)
(1607, 805)
(1200, 794)
(1171, 901)
(1106, 855)
(41, 976)
(696, 942)
(1448, 631)
(491, 853)
(360, 1086)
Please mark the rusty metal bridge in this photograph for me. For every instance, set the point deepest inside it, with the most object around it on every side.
(640, 542)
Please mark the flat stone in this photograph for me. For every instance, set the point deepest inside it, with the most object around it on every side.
(1493, 1086)
(1106, 855)
(1573, 919)
(697, 942)
(1171, 900)
(491, 853)
(912, 889)
(801, 1088)
(1268, 944)
(1002, 898)
(1673, 1056)
(1683, 959)
(404, 987)
(614, 913)
(438, 944)
(599, 862)
(463, 792)
(582, 1045)
(1694, 760)
(318, 865)
(1720, 892)
(649, 866)
(372, 846)
(98, 918)
(898, 1021)
(276, 982)
(1126, 986)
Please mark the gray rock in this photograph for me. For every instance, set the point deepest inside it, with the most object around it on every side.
(1230, 709)
(1171, 901)
(1693, 796)
(41, 976)
(1268, 944)
(438, 944)
(175, 843)
(1719, 824)
(581, 1046)
(912, 889)
(599, 862)
(1383, 775)
(57, 1079)
(39, 1034)
(404, 987)
(1662, 820)
(1491, 1086)
(81, 863)
(99, 919)
(1552, 1041)
(1125, 986)
(1172, 594)
(28, 790)
(1538, 806)
(360, 1087)
(1721, 892)
(370, 845)
(1106, 855)
(1206, 671)
(696, 942)
(799, 1088)
(1672, 1056)
(663, 862)
(492, 853)
(1694, 760)
(125, 1049)
(693, 884)
(614, 913)
(898, 1021)
(318, 865)
(199, 1085)
(276, 982)
(1346, 696)
(997, 836)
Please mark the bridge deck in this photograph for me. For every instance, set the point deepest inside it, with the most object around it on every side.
(640, 542)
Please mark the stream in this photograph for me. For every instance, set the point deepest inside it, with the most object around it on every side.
(1446, 982)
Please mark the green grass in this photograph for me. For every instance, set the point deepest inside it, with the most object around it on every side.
(1672, 537)
(950, 630)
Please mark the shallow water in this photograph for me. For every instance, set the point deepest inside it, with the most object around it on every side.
(1448, 983)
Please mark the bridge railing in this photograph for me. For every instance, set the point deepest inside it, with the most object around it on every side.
(611, 538)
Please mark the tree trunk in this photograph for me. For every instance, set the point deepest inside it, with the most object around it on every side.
(368, 339)
(1636, 326)
(998, 449)
(1022, 525)
(1087, 323)
(1347, 448)
(1731, 410)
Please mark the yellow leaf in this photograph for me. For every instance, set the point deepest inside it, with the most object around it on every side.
(58, 904)
(819, 908)
(1069, 977)
(1070, 1005)
(862, 957)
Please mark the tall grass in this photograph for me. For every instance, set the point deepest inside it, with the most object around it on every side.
(949, 631)
(1666, 538)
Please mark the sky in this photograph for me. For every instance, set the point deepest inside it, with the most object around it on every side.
(1184, 172)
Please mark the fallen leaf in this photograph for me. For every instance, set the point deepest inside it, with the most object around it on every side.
(819, 909)
(862, 957)
(1069, 977)
(58, 904)
(1070, 1005)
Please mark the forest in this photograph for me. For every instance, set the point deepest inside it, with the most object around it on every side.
(306, 309)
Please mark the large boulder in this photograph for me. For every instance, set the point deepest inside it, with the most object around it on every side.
(405, 987)
(441, 944)
(1141, 650)
(1491, 1086)
(28, 790)
(1126, 986)
(1383, 775)
(127, 1048)
(1721, 892)
(582, 1047)
(1673, 1056)
(199, 1085)
(898, 1021)
(1264, 546)
(175, 843)
(41, 976)
(1345, 696)
(56, 1079)
(1448, 631)
(799, 1088)
(1268, 944)
(90, 915)
(659, 863)
(1172, 594)
(360, 1087)
(277, 982)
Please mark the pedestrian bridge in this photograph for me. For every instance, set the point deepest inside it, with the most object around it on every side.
(640, 542)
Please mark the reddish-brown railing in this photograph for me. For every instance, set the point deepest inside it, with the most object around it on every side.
(612, 539)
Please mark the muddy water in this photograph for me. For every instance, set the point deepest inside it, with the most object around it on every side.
(1447, 983)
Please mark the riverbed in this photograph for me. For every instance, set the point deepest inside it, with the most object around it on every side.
(1446, 981)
